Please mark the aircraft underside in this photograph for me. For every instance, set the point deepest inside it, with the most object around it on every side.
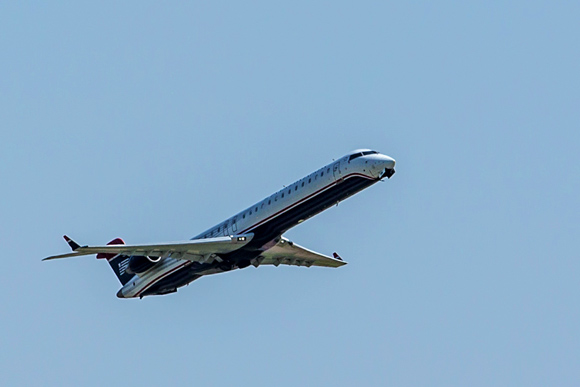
(265, 233)
(251, 237)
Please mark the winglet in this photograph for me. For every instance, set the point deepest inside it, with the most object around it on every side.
(73, 245)
(336, 256)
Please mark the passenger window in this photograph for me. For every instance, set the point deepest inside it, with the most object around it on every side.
(269, 201)
(282, 195)
(302, 184)
(328, 170)
(309, 180)
(289, 191)
(244, 216)
(321, 173)
(296, 188)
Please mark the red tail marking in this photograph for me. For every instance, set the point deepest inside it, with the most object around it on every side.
(116, 241)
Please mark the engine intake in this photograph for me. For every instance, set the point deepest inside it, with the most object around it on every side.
(141, 263)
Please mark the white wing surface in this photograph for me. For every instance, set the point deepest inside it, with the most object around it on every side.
(286, 252)
(192, 250)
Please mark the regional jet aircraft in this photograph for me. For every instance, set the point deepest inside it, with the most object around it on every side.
(251, 237)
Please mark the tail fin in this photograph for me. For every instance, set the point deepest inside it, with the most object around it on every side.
(118, 262)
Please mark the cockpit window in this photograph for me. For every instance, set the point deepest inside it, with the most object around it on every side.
(352, 157)
(356, 155)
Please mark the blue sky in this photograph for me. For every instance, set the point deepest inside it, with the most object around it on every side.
(153, 122)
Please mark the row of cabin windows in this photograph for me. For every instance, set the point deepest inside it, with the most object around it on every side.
(220, 228)
(289, 192)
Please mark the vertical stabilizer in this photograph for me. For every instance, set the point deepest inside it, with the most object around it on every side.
(118, 262)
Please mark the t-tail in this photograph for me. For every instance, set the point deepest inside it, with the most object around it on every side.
(119, 263)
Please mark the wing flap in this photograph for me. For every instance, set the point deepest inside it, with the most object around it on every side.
(286, 252)
(192, 250)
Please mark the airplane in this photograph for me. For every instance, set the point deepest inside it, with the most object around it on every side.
(251, 237)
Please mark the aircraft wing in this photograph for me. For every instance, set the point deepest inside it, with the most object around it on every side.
(286, 252)
(192, 250)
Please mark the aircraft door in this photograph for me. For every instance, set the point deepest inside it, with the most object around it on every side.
(336, 171)
(234, 224)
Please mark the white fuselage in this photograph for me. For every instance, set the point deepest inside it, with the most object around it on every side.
(272, 216)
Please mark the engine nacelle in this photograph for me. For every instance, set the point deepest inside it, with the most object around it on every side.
(140, 263)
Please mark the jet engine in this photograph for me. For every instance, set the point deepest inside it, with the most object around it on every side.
(140, 263)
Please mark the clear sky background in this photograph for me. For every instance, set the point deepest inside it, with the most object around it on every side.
(153, 122)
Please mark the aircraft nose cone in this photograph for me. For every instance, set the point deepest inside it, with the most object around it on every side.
(120, 294)
(389, 163)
